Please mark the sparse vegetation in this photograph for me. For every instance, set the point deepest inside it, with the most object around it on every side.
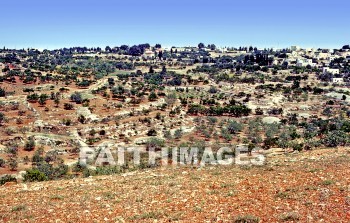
(276, 102)
(247, 219)
(34, 175)
(7, 178)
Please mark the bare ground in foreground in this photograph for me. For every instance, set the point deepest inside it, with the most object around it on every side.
(305, 187)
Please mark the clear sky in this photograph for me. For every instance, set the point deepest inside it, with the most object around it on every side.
(91, 23)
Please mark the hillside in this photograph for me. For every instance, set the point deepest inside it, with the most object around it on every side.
(312, 186)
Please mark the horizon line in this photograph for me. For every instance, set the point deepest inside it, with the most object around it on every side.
(167, 46)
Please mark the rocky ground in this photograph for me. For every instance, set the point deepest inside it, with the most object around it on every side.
(311, 186)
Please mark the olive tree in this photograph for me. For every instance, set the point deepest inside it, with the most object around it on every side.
(336, 138)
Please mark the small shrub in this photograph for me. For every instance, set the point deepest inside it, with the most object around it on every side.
(13, 164)
(297, 146)
(68, 106)
(2, 118)
(30, 145)
(234, 127)
(152, 132)
(7, 178)
(152, 96)
(10, 131)
(2, 162)
(327, 182)
(67, 122)
(178, 134)
(37, 157)
(2, 92)
(282, 195)
(52, 172)
(155, 143)
(33, 175)
(336, 138)
(102, 132)
(246, 219)
(77, 168)
(13, 150)
(76, 97)
(213, 90)
(19, 208)
(291, 216)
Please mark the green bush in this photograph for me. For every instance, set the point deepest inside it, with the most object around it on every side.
(33, 175)
(2, 92)
(2, 117)
(77, 168)
(52, 172)
(336, 138)
(13, 164)
(2, 162)
(291, 216)
(29, 145)
(37, 158)
(7, 178)
(68, 106)
(155, 143)
(246, 219)
(297, 146)
(152, 96)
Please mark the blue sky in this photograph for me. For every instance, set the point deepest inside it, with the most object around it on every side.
(91, 23)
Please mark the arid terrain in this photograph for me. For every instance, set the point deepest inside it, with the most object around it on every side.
(291, 105)
(309, 186)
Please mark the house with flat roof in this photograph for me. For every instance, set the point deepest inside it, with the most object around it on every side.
(303, 62)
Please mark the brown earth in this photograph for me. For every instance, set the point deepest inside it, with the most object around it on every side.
(300, 187)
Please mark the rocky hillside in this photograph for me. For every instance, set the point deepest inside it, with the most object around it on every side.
(310, 186)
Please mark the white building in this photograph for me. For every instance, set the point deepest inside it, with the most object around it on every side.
(343, 53)
(322, 55)
(304, 62)
(148, 54)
